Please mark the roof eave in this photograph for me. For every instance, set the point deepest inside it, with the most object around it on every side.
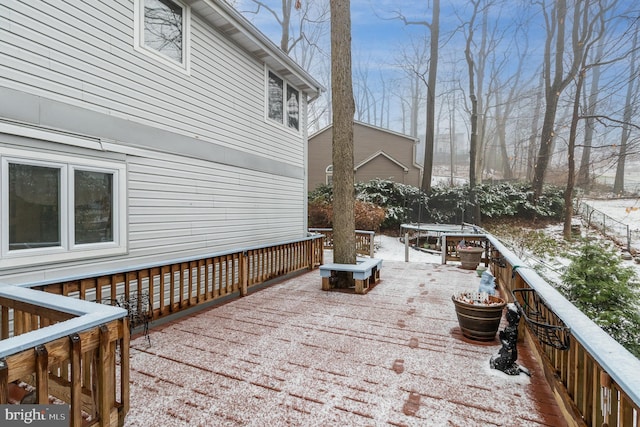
(236, 27)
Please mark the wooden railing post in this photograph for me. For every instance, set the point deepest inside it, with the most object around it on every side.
(42, 374)
(371, 245)
(4, 381)
(105, 385)
(124, 369)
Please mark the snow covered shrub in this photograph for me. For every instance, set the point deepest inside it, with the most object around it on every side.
(517, 199)
(321, 193)
(606, 291)
(402, 202)
(446, 205)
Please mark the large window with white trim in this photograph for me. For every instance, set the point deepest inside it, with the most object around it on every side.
(58, 208)
(162, 30)
(283, 102)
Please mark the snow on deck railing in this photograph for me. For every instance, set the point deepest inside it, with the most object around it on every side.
(144, 266)
(617, 361)
(88, 315)
(364, 240)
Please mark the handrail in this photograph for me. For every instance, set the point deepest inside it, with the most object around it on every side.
(87, 315)
(70, 343)
(73, 350)
(177, 285)
(148, 266)
(610, 357)
(364, 240)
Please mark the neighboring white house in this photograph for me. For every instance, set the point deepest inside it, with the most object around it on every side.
(137, 131)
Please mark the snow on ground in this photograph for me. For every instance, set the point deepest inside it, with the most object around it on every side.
(627, 211)
(392, 249)
(293, 355)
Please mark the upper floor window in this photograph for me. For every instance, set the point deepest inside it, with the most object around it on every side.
(162, 29)
(59, 208)
(283, 102)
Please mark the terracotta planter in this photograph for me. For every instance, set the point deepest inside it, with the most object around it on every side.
(478, 319)
(470, 257)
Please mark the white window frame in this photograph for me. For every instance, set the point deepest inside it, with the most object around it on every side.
(285, 114)
(138, 37)
(328, 175)
(68, 250)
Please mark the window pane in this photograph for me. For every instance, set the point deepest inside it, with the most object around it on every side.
(163, 28)
(34, 206)
(293, 108)
(275, 97)
(93, 205)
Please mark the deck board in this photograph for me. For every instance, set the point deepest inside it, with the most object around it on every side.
(294, 355)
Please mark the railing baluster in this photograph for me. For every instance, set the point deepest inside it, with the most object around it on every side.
(76, 380)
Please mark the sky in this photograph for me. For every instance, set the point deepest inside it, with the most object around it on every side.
(376, 37)
(381, 43)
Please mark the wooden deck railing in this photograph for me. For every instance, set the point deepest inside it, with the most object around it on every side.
(65, 351)
(186, 283)
(82, 356)
(364, 240)
(595, 379)
(450, 243)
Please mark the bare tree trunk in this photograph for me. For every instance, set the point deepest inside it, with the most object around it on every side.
(553, 89)
(584, 178)
(502, 116)
(344, 251)
(286, 22)
(415, 106)
(531, 148)
(431, 97)
(618, 184)
(571, 163)
(472, 216)
(482, 55)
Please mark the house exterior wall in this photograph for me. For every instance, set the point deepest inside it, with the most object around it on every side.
(367, 140)
(383, 168)
(205, 170)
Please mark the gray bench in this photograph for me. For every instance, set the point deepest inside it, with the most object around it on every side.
(366, 273)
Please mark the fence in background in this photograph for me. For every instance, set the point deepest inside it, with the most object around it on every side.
(607, 225)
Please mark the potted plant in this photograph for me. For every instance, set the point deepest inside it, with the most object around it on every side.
(479, 314)
(470, 256)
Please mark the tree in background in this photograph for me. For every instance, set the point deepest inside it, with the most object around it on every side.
(344, 237)
(556, 18)
(633, 86)
(434, 40)
(606, 292)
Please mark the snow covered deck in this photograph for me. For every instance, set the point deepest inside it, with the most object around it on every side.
(293, 355)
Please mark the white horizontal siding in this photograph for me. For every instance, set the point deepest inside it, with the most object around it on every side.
(186, 206)
(82, 53)
(179, 207)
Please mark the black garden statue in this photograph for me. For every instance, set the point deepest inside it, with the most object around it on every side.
(505, 359)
